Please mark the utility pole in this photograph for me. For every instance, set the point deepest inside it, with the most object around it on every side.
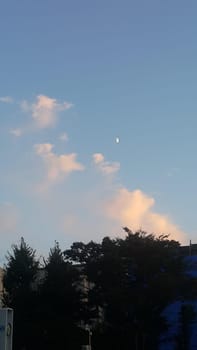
(190, 247)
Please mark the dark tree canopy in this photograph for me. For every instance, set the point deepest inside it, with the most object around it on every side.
(133, 279)
(20, 271)
(60, 303)
(118, 287)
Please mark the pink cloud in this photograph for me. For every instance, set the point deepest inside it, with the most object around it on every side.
(57, 166)
(104, 166)
(44, 111)
(135, 210)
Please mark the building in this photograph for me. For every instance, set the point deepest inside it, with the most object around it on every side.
(188, 250)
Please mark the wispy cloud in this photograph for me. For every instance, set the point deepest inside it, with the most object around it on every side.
(44, 111)
(135, 210)
(63, 137)
(104, 166)
(16, 132)
(173, 171)
(57, 166)
(6, 99)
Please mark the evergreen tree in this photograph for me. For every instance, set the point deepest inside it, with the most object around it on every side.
(20, 273)
(60, 303)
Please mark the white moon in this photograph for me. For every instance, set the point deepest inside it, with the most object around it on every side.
(117, 140)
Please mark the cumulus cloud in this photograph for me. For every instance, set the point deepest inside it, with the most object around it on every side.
(44, 111)
(104, 166)
(135, 210)
(6, 99)
(16, 132)
(57, 166)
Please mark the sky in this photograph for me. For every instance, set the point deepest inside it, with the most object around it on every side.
(76, 77)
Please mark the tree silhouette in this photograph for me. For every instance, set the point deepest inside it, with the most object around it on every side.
(133, 279)
(20, 273)
(119, 287)
(59, 303)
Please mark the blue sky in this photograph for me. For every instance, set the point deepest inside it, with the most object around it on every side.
(74, 76)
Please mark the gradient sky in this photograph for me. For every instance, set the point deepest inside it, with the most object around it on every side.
(74, 76)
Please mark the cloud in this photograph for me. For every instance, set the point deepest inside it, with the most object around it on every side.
(9, 218)
(6, 99)
(104, 166)
(57, 166)
(43, 114)
(135, 210)
(16, 132)
(63, 137)
(26, 106)
(44, 111)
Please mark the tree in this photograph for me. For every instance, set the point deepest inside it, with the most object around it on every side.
(20, 273)
(133, 279)
(59, 304)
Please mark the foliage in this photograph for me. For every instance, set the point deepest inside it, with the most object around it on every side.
(118, 287)
(20, 270)
(133, 279)
(20, 273)
(59, 303)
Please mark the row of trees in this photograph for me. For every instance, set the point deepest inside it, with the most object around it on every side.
(118, 287)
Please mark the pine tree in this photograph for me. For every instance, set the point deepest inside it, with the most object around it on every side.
(20, 272)
(60, 303)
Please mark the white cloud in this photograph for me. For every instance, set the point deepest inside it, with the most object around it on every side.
(135, 210)
(44, 111)
(63, 137)
(43, 148)
(16, 132)
(6, 99)
(57, 166)
(104, 166)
